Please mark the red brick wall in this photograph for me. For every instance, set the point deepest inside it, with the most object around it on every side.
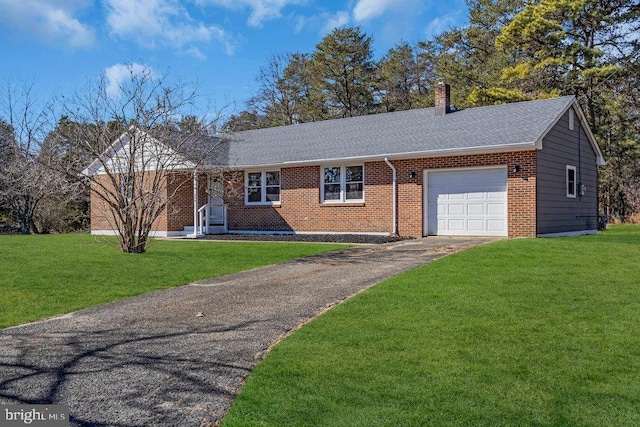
(101, 217)
(179, 213)
(180, 209)
(301, 210)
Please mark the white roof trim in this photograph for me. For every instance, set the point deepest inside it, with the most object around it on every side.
(487, 149)
(96, 167)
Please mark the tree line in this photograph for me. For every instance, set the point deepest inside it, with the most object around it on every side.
(511, 50)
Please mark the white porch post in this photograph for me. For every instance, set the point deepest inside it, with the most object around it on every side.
(195, 233)
(195, 202)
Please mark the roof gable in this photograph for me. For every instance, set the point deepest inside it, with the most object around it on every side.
(150, 154)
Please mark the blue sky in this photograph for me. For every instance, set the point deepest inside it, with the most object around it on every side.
(60, 44)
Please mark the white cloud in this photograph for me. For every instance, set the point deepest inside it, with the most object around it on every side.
(337, 20)
(155, 23)
(51, 21)
(261, 10)
(369, 9)
(119, 74)
(441, 24)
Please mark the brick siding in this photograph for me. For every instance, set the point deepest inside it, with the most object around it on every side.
(301, 210)
(177, 215)
(179, 212)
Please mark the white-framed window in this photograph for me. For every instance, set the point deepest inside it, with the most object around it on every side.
(571, 184)
(342, 183)
(262, 187)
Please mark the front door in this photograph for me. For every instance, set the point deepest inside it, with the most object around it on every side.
(216, 202)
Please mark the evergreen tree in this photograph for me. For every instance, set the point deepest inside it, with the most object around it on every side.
(404, 79)
(344, 73)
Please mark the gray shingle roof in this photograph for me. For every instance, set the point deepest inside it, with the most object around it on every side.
(412, 133)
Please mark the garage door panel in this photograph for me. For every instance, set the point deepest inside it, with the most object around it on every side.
(467, 202)
(455, 224)
(476, 196)
(475, 209)
(496, 225)
(455, 209)
(498, 195)
(475, 225)
(455, 196)
(496, 209)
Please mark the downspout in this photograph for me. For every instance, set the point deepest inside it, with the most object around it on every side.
(395, 202)
(195, 203)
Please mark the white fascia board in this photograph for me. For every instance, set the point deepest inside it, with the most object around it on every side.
(487, 149)
(600, 161)
(95, 166)
(171, 159)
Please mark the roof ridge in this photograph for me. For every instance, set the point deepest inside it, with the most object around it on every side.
(401, 112)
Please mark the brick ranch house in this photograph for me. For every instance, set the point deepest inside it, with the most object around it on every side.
(524, 169)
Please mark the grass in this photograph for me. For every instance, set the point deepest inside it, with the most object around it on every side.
(532, 332)
(42, 276)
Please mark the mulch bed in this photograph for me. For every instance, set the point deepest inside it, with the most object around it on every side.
(312, 238)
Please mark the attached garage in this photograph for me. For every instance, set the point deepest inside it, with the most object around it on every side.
(466, 202)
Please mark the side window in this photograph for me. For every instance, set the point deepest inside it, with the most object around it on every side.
(331, 183)
(254, 187)
(342, 183)
(354, 183)
(571, 181)
(262, 188)
(272, 186)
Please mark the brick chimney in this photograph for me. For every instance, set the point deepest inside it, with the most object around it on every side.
(443, 98)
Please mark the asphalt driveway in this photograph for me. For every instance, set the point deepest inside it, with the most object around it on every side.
(150, 361)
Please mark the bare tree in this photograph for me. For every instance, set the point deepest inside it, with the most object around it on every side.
(141, 157)
(27, 182)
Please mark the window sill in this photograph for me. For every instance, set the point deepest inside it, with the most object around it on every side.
(262, 205)
(341, 204)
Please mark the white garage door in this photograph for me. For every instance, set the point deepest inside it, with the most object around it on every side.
(470, 202)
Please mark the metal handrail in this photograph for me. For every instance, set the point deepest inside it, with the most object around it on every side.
(203, 220)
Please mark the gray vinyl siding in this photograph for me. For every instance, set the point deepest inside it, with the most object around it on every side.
(557, 213)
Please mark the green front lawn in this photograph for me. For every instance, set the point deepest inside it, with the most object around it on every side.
(41, 276)
(528, 332)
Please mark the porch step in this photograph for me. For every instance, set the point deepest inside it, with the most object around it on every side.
(217, 229)
(213, 229)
